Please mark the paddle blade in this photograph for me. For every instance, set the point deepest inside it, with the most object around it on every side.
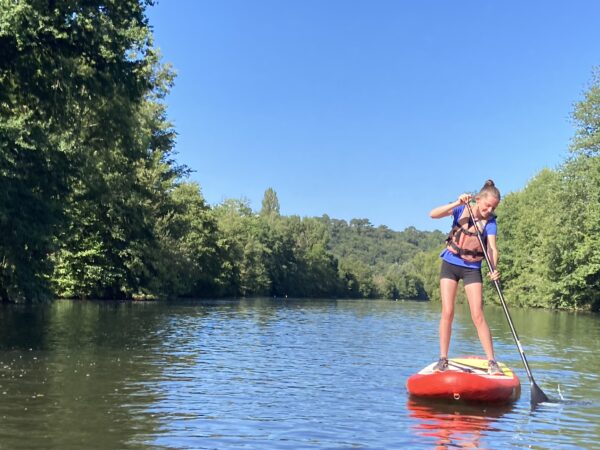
(537, 395)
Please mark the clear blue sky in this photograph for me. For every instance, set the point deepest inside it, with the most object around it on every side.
(373, 109)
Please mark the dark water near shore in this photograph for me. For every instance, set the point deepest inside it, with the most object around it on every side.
(279, 374)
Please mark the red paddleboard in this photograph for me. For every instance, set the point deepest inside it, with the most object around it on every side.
(467, 380)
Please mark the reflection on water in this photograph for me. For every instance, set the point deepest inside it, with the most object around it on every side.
(454, 425)
(277, 374)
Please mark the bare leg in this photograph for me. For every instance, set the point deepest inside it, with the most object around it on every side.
(474, 293)
(448, 294)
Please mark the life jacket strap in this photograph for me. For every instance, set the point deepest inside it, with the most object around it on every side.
(461, 236)
(465, 252)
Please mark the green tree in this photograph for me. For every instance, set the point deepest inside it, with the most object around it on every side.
(586, 117)
(579, 259)
(550, 229)
(575, 262)
(282, 264)
(359, 278)
(526, 243)
(245, 268)
(270, 203)
(123, 170)
(317, 273)
(190, 259)
(426, 267)
(69, 75)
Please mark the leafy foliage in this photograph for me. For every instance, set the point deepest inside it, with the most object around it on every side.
(93, 203)
(551, 228)
(66, 69)
(270, 203)
(380, 262)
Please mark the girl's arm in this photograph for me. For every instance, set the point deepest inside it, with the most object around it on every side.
(492, 251)
(446, 210)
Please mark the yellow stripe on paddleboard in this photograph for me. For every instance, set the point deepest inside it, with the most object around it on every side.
(481, 364)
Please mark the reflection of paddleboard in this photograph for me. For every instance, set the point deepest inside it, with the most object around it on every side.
(456, 424)
(465, 379)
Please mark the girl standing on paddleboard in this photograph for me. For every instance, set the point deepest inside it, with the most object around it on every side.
(461, 260)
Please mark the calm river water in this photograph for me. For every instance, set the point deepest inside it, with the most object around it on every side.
(279, 374)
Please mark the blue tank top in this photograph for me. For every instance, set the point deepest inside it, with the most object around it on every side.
(490, 229)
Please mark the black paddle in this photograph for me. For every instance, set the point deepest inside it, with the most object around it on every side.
(537, 395)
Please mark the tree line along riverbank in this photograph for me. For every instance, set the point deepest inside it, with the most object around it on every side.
(93, 203)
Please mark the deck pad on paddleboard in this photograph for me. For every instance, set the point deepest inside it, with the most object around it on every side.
(478, 366)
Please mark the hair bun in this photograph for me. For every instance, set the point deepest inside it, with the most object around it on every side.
(489, 188)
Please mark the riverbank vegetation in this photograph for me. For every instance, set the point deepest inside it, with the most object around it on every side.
(550, 242)
(93, 203)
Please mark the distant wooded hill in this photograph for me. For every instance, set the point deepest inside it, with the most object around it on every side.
(378, 246)
(383, 262)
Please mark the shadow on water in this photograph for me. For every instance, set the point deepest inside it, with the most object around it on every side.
(24, 326)
(454, 425)
(78, 363)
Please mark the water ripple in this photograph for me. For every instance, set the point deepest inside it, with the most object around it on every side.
(272, 374)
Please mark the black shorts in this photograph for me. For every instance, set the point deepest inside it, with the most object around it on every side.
(454, 272)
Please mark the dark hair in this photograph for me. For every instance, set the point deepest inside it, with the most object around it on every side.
(489, 188)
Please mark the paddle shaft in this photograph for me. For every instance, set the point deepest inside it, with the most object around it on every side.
(540, 394)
